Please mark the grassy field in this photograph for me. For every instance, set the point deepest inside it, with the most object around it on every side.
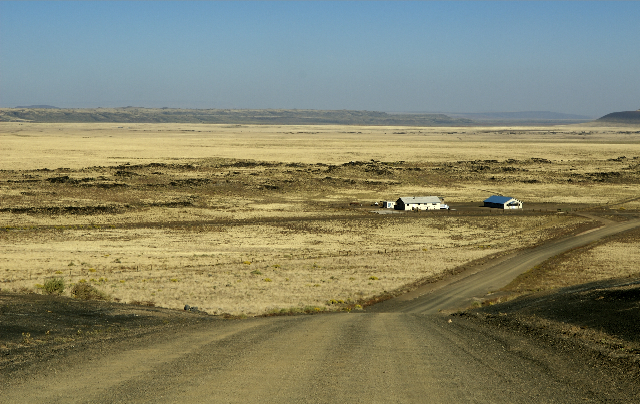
(248, 219)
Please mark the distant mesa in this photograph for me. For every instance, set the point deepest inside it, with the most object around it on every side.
(621, 118)
(130, 114)
(39, 107)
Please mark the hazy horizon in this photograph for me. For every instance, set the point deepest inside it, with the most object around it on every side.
(448, 57)
(574, 116)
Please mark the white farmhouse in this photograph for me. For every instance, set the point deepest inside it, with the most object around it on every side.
(419, 203)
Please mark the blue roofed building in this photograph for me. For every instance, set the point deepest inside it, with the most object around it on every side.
(502, 202)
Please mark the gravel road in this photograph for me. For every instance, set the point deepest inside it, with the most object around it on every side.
(348, 357)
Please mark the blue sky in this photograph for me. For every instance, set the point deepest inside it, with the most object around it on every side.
(572, 57)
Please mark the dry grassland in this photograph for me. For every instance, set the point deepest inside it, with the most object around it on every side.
(248, 219)
(257, 267)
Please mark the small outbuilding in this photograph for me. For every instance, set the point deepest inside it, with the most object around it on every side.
(502, 202)
(418, 203)
(388, 204)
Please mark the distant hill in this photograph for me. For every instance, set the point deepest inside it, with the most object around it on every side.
(620, 118)
(228, 116)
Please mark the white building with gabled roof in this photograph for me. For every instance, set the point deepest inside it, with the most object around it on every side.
(419, 203)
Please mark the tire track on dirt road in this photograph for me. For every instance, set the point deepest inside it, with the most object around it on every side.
(92, 379)
(343, 357)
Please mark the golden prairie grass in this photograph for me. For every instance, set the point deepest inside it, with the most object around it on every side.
(225, 271)
(247, 219)
(33, 146)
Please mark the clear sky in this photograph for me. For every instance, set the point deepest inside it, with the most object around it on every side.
(572, 57)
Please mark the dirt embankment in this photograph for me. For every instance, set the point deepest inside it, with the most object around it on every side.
(598, 321)
(35, 328)
(603, 312)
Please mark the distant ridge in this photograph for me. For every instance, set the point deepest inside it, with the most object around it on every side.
(621, 118)
(40, 107)
(522, 118)
(227, 116)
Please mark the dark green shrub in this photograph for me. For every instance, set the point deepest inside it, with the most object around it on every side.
(84, 291)
(54, 286)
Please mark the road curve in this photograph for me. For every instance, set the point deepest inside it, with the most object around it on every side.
(461, 293)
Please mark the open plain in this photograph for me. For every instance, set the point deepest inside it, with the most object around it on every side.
(249, 219)
(243, 221)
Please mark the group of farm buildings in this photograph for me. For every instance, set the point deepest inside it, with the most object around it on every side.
(437, 203)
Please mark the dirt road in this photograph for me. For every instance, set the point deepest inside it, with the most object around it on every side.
(349, 357)
(399, 356)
